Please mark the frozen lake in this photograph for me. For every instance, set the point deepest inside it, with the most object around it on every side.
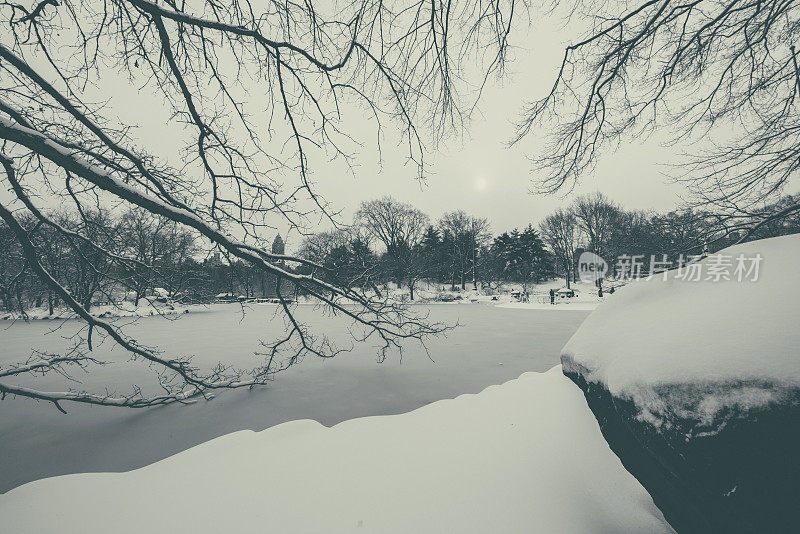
(491, 346)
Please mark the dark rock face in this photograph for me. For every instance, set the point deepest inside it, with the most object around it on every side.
(740, 475)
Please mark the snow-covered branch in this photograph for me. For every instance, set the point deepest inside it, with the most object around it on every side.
(246, 167)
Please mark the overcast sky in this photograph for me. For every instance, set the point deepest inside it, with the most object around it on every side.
(476, 172)
(481, 175)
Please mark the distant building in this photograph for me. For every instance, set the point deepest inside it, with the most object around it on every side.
(278, 246)
(214, 260)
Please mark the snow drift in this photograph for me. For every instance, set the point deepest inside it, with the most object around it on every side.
(526, 456)
(696, 385)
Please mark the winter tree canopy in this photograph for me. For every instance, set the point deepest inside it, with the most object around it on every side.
(261, 91)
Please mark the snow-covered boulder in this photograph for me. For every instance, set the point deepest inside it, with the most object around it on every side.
(696, 386)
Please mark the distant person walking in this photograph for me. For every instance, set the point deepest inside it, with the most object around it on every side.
(552, 296)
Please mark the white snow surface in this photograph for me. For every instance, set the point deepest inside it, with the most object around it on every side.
(125, 309)
(546, 306)
(526, 456)
(585, 298)
(731, 343)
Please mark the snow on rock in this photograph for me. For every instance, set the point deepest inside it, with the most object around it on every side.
(526, 456)
(743, 336)
(696, 385)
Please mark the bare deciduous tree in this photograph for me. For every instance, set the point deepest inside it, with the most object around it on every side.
(560, 231)
(317, 247)
(261, 92)
(597, 217)
(467, 233)
(724, 69)
(399, 228)
(157, 244)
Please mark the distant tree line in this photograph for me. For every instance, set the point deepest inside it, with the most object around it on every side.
(390, 241)
(132, 254)
(107, 258)
(595, 223)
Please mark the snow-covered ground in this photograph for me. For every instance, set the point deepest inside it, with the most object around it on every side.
(146, 308)
(506, 295)
(526, 456)
(586, 297)
(491, 346)
(574, 305)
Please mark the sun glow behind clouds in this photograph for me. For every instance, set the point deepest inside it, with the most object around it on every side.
(480, 184)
